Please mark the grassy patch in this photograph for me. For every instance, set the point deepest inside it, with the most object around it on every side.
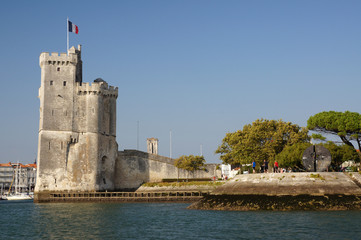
(317, 176)
(181, 184)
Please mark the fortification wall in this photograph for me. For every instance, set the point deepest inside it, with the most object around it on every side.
(56, 58)
(133, 168)
(62, 166)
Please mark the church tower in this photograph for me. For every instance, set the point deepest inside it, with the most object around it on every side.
(77, 148)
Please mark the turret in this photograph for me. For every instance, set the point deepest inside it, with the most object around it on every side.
(97, 97)
(59, 75)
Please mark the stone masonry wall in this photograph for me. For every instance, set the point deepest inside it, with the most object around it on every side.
(133, 168)
(77, 147)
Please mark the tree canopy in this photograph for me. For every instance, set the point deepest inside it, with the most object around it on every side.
(347, 125)
(263, 139)
(340, 154)
(190, 163)
(291, 156)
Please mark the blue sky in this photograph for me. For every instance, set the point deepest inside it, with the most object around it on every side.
(198, 68)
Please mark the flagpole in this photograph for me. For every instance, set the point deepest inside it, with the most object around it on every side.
(170, 144)
(67, 35)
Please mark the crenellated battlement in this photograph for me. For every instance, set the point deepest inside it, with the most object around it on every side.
(97, 88)
(56, 58)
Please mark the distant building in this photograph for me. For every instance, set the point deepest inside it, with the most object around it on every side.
(17, 175)
(6, 176)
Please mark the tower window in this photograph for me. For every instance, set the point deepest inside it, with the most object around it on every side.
(64, 83)
(58, 69)
(51, 83)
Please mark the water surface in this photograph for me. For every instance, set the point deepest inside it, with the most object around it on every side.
(26, 220)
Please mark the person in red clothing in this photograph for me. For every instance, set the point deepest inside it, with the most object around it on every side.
(275, 167)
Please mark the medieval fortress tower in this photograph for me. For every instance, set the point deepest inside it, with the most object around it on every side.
(77, 148)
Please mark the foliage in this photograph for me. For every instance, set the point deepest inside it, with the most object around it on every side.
(190, 163)
(263, 139)
(318, 136)
(341, 153)
(291, 156)
(347, 125)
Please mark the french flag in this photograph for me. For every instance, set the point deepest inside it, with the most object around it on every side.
(73, 28)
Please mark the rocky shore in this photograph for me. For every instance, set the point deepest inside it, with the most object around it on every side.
(286, 191)
(278, 203)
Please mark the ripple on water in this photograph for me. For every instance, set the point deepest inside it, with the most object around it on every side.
(26, 220)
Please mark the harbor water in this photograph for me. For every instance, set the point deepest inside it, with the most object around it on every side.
(27, 220)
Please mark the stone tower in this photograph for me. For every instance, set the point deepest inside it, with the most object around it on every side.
(77, 148)
(152, 145)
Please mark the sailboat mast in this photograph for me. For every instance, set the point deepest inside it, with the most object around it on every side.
(17, 178)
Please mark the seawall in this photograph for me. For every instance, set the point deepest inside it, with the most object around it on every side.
(286, 191)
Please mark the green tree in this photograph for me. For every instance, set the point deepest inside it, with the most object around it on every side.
(318, 137)
(291, 155)
(347, 125)
(263, 139)
(190, 163)
(340, 154)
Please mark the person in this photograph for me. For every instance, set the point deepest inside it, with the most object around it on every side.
(265, 166)
(275, 167)
(254, 166)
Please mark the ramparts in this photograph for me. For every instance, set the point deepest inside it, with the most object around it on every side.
(133, 168)
(59, 59)
(97, 88)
